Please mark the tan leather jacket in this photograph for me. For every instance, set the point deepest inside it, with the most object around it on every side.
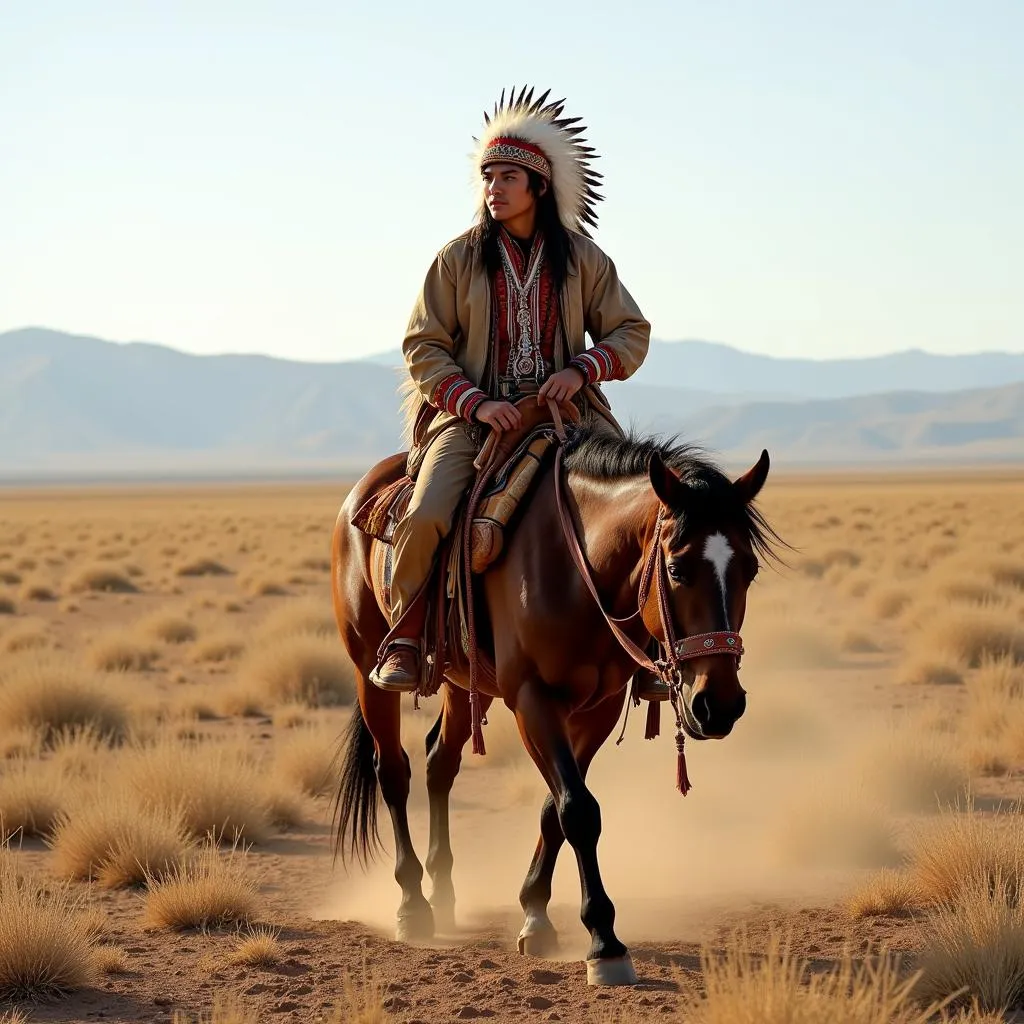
(450, 327)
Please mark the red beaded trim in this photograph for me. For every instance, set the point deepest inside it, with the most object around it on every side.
(516, 151)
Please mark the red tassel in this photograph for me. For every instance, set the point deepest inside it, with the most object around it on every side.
(653, 729)
(477, 720)
(682, 780)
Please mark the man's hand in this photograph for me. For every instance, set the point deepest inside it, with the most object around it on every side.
(499, 415)
(561, 386)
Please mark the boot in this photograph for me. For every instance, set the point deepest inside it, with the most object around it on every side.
(399, 669)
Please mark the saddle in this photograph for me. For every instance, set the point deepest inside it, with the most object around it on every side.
(506, 468)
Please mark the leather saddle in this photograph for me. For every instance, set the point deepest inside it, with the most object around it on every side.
(507, 466)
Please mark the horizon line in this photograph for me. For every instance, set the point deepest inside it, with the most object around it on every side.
(374, 356)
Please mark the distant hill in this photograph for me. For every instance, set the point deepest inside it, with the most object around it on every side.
(71, 404)
(709, 367)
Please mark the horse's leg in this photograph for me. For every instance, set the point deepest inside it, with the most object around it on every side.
(538, 936)
(544, 728)
(382, 713)
(444, 756)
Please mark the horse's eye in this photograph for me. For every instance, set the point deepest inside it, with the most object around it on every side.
(678, 574)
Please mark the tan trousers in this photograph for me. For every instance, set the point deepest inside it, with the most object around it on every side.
(443, 478)
(445, 475)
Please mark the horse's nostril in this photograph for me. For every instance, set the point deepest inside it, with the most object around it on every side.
(741, 704)
(701, 707)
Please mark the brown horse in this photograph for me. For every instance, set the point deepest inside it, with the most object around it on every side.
(560, 668)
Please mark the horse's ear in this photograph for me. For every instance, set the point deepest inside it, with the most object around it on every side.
(749, 485)
(667, 486)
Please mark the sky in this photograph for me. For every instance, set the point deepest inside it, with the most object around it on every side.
(790, 177)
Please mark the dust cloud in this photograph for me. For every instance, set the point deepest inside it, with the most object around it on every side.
(781, 810)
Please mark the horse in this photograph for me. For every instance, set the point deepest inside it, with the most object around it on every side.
(564, 648)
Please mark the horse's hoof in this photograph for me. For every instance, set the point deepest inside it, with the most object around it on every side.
(542, 942)
(611, 971)
(415, 927)
(444, 919)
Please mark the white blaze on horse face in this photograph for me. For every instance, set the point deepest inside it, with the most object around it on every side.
(718, 552)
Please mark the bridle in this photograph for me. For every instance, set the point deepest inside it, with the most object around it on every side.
(676, 651)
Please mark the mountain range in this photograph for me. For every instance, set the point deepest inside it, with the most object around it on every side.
(83, 406)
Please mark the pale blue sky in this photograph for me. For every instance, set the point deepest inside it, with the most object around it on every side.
(796, 178)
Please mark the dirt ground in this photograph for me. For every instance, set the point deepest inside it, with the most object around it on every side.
(805, 802)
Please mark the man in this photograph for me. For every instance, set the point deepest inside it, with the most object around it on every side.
(502, 314)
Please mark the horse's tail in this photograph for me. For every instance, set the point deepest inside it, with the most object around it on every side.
(355, 810)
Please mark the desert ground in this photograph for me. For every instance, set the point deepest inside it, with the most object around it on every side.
(172, 690)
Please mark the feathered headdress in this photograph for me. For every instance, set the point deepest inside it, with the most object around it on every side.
(533, 134)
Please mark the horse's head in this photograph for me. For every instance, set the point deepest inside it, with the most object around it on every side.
(710, 537)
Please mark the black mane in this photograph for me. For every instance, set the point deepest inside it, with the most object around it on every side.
(713, 498)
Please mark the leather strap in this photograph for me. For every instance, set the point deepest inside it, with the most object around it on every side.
(700, 645)
(614, 624)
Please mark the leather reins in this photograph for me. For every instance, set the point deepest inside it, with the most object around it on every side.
(700, 645)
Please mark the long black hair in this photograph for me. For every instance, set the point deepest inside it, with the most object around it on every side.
(557, 243)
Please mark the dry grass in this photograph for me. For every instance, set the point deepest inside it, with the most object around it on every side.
(742, 986)
(169, 627)
(44, 947)
(890, 602)
(25, 636)
(859, 641)
(290, 716)
(100, 578)
(961, 845)
(38, 592)
(307, 758)
(925, 669)
(202, 567)
(238, 699)
(258, 585)
(887, 893)
(363, 1001)
(52, 695)
(1009, 574)
(211, 890)
(215, 788)
(7, 605)
(32, 798)
(975, 946)
(285, 808)
(303, 615)
(301, 667)
(218, 647)
(111, 960)
(259, 948)
(228, 1008)
(120, 650)
(973, 635)
(118, 840)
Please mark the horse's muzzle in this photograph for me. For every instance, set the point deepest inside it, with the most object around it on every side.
(709, 715)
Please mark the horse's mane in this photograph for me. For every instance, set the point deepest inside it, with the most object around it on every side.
(605, 457)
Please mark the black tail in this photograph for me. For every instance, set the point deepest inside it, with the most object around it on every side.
(355, 810)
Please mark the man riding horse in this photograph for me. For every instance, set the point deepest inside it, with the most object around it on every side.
(502, 316)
